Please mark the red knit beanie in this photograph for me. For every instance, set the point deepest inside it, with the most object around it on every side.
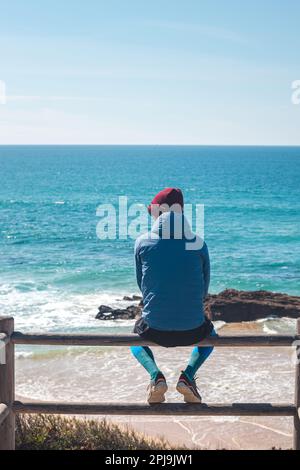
(167, 196)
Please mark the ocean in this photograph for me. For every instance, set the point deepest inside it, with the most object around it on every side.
(55, 272)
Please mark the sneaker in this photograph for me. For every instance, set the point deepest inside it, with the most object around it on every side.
(157, 389)
(188, 389)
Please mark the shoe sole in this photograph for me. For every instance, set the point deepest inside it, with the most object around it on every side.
(157, 395)
(187, 393)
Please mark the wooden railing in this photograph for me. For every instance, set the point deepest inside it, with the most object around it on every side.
(9, 407)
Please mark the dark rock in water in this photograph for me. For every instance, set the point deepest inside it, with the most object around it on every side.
(230, 306)
(137, 297)
(108, 313)
(132, 298)
(134, 310)
(233, 306)
(105, 309)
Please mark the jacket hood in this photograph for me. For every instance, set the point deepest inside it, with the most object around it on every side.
(173, 225)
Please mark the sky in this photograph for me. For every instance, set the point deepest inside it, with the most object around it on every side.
(215, 72)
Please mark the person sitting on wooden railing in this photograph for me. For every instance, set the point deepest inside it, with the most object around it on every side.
(173, 273)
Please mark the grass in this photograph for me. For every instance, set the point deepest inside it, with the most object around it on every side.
(50, 432)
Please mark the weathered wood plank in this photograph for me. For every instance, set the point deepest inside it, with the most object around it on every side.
(4, 412)
(173, 409)
(131, 339)
(7, 387)
(297, 394)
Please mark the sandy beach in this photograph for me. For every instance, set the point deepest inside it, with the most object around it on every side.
(230, 375)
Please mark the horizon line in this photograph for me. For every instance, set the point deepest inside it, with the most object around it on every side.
(151, 145)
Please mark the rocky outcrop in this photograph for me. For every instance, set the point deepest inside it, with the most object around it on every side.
(109, 313)
(132, 297)
(236, 306)
(230, 306)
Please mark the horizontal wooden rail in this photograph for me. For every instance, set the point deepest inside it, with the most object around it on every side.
(131, 339)
(4, 412)
(182, 409)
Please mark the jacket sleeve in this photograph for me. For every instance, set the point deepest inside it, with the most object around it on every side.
(206, 269)
(138, 265)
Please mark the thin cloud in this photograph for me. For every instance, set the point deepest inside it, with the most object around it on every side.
(31, 98)
(208, 31)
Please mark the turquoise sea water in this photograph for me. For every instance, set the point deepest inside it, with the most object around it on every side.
(54, 271)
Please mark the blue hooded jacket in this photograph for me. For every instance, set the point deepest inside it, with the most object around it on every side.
(173, 273)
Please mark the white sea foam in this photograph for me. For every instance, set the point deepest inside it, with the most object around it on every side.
(269, 331)
(276, 325)
(52, 373)
(54, 310)
(219, 324)
(24, 354)
(99, 374)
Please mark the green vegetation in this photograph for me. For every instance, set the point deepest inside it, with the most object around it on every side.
(50, 432)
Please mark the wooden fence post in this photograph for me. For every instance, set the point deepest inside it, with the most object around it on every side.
(7, 387)
(297, 394)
